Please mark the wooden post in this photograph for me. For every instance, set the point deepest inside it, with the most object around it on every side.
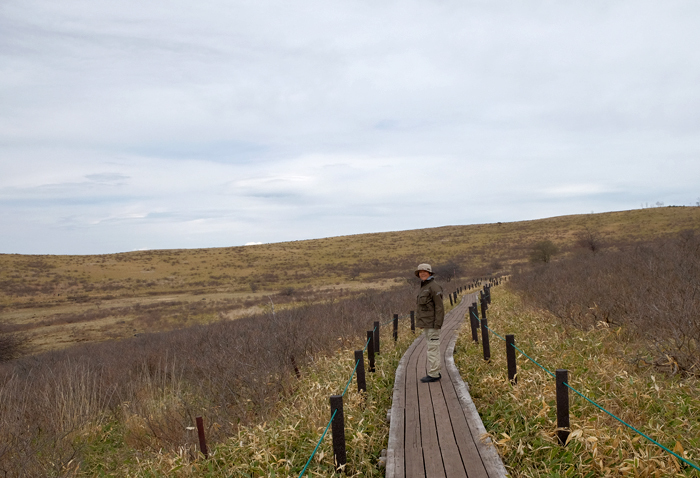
(296, 369)
(562, 377)
(202, 438)
(510, 357)
(396, 327)
(455, 294)
(413, 321)
(485, 339)
(360, 361)
(483, 308)
(376, 338)
(338, 430)
(370, 349)
(450, 295)
(474, 321)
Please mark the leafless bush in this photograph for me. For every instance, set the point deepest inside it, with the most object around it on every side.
(448, 270)
(543, 251)
(11, 346)
(590, 240)
(154, 385)
(651, 289)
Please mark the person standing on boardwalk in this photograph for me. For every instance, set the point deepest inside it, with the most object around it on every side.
(429, 317)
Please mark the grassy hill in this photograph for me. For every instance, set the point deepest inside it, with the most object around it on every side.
(62, 300)
(126, 407)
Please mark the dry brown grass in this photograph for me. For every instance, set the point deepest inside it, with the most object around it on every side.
(651, 289)
(522, 418)
(57, 293)
(55, 408)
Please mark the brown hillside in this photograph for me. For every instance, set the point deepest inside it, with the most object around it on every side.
(62, 300)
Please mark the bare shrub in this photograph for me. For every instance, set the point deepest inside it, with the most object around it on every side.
(543, 251)
(590, 240)
(11, 346)
(448, 270)
(154, 385)
(650, 289)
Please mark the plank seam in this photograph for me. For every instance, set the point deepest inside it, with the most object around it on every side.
(487, 450)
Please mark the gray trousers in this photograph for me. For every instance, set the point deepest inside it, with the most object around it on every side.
(432, 336)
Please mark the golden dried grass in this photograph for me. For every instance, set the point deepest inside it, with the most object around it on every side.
(281, 446)
(522, 418)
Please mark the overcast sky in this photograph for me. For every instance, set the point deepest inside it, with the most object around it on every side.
(130, 125)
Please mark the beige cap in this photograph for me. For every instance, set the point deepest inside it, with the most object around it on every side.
(423, 267)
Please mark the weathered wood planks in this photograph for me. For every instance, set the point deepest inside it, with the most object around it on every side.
(435, 431)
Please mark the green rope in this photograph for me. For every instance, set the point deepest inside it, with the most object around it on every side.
(351, 376)
(366, 345)
(594, 403)
(476, 316)
(494, 333)
(319, 443)
(534, 361)
(631, 427)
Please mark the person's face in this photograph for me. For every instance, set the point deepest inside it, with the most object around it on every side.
(423, 275)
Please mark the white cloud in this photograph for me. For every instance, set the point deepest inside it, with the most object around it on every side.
(172, 125)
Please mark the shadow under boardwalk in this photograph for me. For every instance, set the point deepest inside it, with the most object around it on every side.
(435, 430)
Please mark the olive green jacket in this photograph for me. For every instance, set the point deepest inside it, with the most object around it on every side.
(430, 312)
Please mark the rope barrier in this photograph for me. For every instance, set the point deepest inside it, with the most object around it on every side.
(357, 363)
(318, 444)
(631, 427)
(595, 404)
(366, 345)
(534, 361)
(494, 333)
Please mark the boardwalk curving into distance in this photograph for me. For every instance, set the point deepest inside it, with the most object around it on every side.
(435, 430)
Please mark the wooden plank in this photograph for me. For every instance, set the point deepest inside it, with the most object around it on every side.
(431, 433)
(487, 451)
(413, 447)
(431, 449)
(396, 464)
(447, 435)
(451, 458)
(471, 459)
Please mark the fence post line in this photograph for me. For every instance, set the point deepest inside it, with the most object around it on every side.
(370, 349)
(202, 438)
(485, 339)
(562, 377)
(510, 356)
(360, 361)
(376, 338)
(413, 321)
(396, 327)
(338, 430)
(474, 323)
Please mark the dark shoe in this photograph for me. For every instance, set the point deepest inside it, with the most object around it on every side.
(428, 378)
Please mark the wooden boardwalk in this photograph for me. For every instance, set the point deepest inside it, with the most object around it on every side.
(435, 429)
